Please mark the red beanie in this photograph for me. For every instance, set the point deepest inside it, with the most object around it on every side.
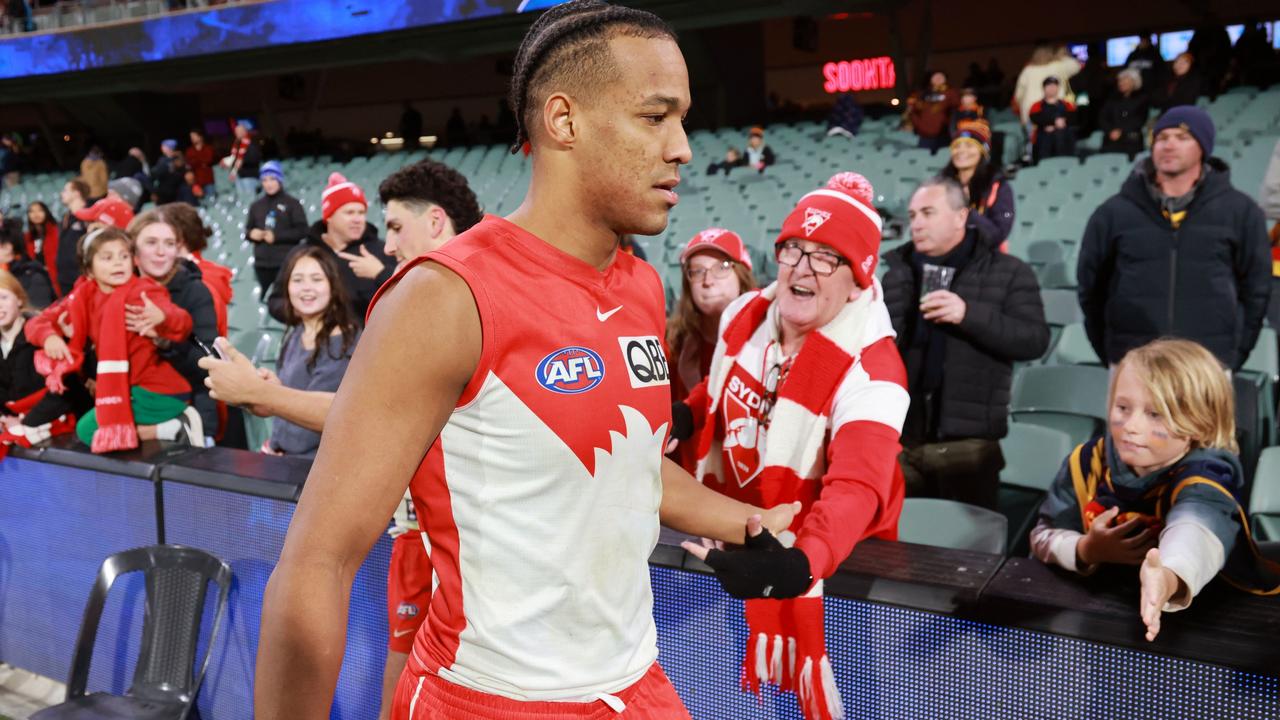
(840, 216)
(340, 192)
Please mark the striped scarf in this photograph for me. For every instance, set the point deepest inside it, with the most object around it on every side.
(793, 463)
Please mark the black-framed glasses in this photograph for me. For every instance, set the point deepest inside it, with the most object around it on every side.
(719, 271)
(822, 262)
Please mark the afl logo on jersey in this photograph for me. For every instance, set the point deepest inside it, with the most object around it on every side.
(571, 370)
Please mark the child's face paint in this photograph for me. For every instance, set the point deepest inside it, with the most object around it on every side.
(112, 265)
(1138, 432)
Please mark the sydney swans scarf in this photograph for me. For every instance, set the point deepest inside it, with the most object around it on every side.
(787, 645)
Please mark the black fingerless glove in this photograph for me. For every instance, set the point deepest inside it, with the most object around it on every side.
(762, 569)
(681, 421)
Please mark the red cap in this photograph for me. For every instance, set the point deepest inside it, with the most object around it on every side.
(340, 191)
(725, 242)
(108, 210)
(841, 217)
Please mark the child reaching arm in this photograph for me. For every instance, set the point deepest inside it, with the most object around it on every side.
(1159, 489)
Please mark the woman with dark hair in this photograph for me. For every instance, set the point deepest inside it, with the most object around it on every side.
(320, 339)
(193, 238)
(199, 157)
(715, 269)
(31, 274)
(42, 239)
(991, 203)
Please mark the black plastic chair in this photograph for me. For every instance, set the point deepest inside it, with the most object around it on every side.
(167, 678)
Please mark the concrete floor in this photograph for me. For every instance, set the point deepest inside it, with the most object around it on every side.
(23, 693)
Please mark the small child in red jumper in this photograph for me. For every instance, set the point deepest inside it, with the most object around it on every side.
(138, 396)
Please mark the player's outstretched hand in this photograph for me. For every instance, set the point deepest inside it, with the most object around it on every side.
(763, 568)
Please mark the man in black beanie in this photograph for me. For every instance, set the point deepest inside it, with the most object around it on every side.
(1177, 252)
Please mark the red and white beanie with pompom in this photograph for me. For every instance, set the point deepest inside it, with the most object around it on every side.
(841, 216)
(339, 192)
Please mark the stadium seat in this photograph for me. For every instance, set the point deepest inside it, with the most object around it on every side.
(1265, 358)
(1070, 398)
(1032, 455)
(951, 524)
(1073, 348)
(1264, 500)
(1061, 307)
(172, 658)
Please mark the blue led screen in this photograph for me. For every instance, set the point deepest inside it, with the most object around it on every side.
(894, 663)
(232, 28)
(57, 523)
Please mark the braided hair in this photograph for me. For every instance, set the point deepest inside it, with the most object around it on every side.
(571, 40)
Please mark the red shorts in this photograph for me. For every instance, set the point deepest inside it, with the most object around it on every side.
(408, 591)
(428, 697)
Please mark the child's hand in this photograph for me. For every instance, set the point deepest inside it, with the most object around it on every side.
(1159, 583)
(56, 348)
(64, 322)
(1105, 544)
(143, 319)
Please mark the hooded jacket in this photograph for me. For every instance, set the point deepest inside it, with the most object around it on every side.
(1207, 280)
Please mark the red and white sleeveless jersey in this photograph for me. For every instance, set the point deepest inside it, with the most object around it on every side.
(541, 494)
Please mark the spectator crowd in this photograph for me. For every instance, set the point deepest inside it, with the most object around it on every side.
(113, 324)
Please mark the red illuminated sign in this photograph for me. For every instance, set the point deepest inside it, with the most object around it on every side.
(854, 75)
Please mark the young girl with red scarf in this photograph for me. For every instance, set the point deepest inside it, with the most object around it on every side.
(138, 396)
(805, 402)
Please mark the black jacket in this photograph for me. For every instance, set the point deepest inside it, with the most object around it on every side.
(1209, 280)
(188, 291)
(18, 376)
(166, 180)
(289, 223)
(360, 290)
(35, 282)
(1125, 113)
(70, 232)
(1003, 323)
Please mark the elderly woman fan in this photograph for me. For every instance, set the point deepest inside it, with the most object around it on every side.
(805, 402)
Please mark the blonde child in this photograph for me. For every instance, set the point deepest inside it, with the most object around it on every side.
(1161, 488)
(137, 395)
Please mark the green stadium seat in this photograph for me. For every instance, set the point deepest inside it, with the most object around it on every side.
(1070, 398)
(950, 524)
(1061, 307)
(1032, 455)
(1264, 499)
(1265, 358)
(1073, 348)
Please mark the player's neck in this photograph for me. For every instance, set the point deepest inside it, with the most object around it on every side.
(561, 220)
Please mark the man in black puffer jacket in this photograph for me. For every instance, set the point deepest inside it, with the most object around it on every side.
(1177, 252)
(959, 344)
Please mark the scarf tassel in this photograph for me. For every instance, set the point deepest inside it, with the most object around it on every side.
(117, 436)
(818, 696)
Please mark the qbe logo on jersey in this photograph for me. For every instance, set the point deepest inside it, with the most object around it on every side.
(646, 362)
(571, 370)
